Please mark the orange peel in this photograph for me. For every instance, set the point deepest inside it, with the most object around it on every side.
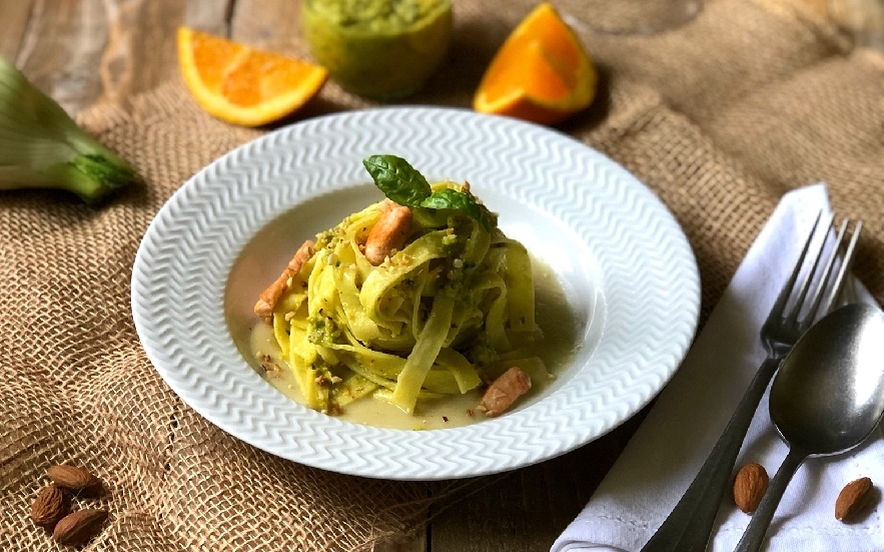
(243, 85)
(541, 73)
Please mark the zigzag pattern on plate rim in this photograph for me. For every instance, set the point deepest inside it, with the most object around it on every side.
(198, 234)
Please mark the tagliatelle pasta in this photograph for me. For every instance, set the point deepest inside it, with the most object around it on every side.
(444, 308)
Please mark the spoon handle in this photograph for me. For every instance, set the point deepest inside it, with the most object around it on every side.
(689, 525)
(761, 518)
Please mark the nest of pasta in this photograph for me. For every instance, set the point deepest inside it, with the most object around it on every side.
(418, 296)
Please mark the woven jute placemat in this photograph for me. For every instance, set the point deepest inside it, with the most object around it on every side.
(719, 118)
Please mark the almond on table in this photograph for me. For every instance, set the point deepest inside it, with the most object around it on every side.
(853, 499)
(49, 507)
(78, 527)
(75, 479)
(750, 484)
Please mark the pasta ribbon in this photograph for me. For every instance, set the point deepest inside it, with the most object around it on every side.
(435, 318)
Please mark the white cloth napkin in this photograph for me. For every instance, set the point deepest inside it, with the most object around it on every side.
(681, 428)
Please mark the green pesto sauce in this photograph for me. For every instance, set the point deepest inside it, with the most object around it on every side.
(375, 48)
(376, 15)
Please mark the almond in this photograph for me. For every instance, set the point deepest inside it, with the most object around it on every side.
(50, 506)
(76, 479)
(853, 498)
(78, 527)
(750, 485)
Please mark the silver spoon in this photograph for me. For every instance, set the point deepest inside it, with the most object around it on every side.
(828, 396)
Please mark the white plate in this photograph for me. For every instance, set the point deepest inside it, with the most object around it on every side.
(622, 259)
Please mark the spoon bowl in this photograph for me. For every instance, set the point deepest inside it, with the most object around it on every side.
(826, 399)
(829, 393)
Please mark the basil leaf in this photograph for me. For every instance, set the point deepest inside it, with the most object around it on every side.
(448, 198)
(403, 184)
(397, 179)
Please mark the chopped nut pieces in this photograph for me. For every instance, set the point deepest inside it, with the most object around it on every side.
(853, 499)
(750, 484)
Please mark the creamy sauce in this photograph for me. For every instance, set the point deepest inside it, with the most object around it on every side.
(559, 343)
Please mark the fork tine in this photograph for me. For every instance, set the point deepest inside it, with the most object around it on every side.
(779, 305)
(840, 279)
(827, 272)
(808, 278)
(846, 265)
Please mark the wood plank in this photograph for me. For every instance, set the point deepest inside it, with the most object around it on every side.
(13, 26)
(211, 17)
(60, 50)
(83, 51)
(273, 25)
(139, 55)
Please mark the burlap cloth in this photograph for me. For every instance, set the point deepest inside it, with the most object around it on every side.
(719, 118)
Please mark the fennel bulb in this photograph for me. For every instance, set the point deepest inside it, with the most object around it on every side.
(42, 147)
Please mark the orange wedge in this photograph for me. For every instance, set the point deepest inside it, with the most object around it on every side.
(242, 85)
(541, 73)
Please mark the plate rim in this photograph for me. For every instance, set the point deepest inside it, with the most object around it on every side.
(153, 340)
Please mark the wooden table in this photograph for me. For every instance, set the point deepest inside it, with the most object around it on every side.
(83, 51)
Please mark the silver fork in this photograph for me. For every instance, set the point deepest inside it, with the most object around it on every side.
(689, 525)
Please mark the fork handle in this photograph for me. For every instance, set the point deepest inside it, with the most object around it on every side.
(689, 525)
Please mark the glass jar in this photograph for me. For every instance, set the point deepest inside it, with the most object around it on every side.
(380, 49)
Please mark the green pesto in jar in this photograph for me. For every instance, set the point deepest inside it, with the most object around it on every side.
(376, 48)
